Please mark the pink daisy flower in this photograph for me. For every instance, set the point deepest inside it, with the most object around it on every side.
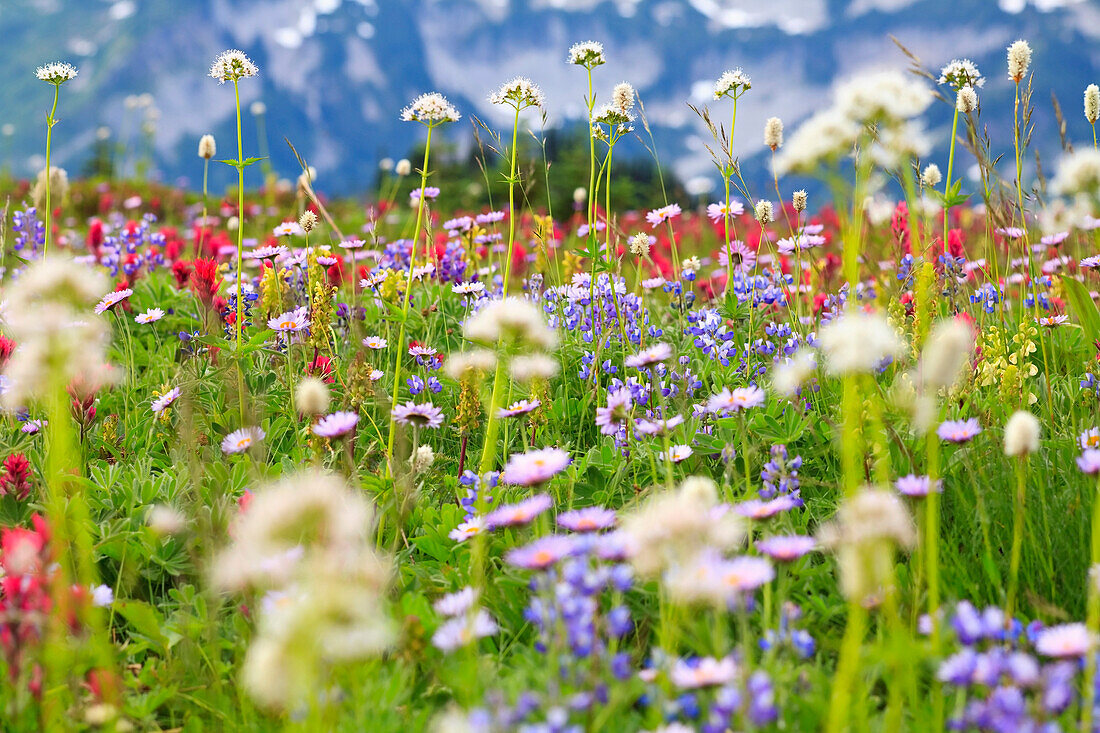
(110, 300)
(535, 466)
(424, 415)
(511, 515)
(336, 425)
(241, 440)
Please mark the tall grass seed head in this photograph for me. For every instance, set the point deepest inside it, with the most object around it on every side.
(1092, 103)
(773, 133)
(1019, 59)
(1022, 434)
(431, 108)
(59, 185)
(208, 148)
(56, 72)
(232, 65)
(588, 54)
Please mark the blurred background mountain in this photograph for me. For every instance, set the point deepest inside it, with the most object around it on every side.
(335, 74)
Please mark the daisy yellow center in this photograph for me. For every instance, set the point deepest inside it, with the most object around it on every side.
(244, 442)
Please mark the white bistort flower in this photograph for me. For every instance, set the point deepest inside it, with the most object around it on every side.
(588, 54)
(518, 93)
(731, 83)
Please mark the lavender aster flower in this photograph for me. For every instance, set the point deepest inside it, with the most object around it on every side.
(336, 425)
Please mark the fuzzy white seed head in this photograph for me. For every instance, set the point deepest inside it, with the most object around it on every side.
(59, 185)
(165, 520)
(1092, 103)
(308, 221)
(257, 108)
(1019, 59)
(946, 353)
(764, 212)
(208, 147)
(232, 65)
(967, 100)
(588, 54)
(1022, 434)
(580, 193)
(430, 109)
(798, 200)
(514, 320)
(422, 459)
(519, 93)
(312, 396)
(1078, 173)
(403, 167)
(474, 363)
(858, 342)
(788, 377)
(528, 368)
(773, 133)
(639, 245)
(931, 176)
(622, 96)
(56, 72)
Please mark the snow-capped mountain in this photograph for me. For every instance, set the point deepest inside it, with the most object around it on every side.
(335, 73)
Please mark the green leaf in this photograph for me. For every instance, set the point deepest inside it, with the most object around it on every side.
(1083, 307)
(144, 620)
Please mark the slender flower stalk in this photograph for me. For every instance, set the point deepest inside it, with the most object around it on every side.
(55, 73)
(207, 149)
(430, 110)
(732, 85)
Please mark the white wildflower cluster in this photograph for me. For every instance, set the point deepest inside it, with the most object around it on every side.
(885, 102)
(519, 329)
(858, 342)
(943, 362)
(640, 244)
(431, 109)
(789, 376)
(732, 83)
(618, 114)
(474, 363)
(799, 200)
(588, 54)
(1078, 174)
(519, 93)
(56, 72)
(672, 527)
(59, 185)
(232, 65)
(961, 73)
(49, 314)
(305, 543)
(764, 212)
(865, 533)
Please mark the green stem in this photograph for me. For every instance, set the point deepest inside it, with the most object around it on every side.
(406, 297)
(50, 122)
(947, 180)
(1017, 538)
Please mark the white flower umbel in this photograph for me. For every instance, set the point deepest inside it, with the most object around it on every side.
(961, 73)
(732, 83)
(588, 54)
(1078, 173)
(232, 65)
(858, 342)
(56, 72)
(430, 109)
(519, 93)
